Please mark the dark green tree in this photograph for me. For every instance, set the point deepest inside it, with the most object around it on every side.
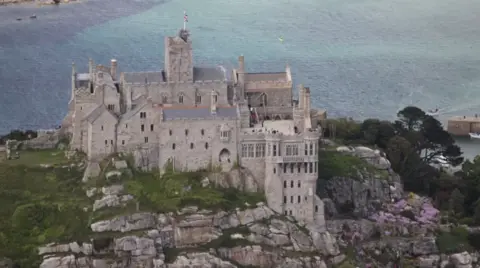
(428, 137)
(456, 202)
(377, 132)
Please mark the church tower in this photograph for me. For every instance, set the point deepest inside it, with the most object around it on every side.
(179, 57)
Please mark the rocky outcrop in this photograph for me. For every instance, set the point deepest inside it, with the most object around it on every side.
(365, 193)
(199, 238)
(238, 178)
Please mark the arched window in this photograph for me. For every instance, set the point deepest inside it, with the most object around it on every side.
(180, 99)
(263, 99)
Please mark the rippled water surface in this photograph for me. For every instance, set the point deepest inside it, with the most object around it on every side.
(361, 58)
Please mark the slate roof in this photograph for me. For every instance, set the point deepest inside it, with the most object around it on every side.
(139, 104)
(145, 77)
(208, 73)
(170, 113)
(95, 114)
(256, 77)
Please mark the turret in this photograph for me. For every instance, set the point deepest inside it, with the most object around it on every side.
(289, 73)
(241, 69)
(301, 97)
(74, 79)
(213, 102)
(113, 69)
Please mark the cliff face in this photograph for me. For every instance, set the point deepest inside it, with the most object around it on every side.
(196, 238)
(375, 222)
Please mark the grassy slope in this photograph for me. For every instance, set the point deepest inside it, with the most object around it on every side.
(42, 205)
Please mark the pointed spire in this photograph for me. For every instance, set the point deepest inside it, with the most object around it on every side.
(74, 71)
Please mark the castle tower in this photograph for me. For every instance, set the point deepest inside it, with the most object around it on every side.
(179, 57)
(306, 108)
(273, 182)
(299, 112)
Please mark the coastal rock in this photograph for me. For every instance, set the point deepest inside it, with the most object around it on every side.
(239, 178)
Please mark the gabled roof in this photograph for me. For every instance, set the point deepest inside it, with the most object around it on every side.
(144, 77)
(140, 103)
(95, 114)
(209, 73)
(257, 77)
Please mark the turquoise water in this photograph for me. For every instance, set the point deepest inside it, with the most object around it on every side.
(361, 58)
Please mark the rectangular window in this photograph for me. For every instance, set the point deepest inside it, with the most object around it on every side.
(259, 150)
(284, 199)
(292, 166)
(299, 167)
(142, 127)
(111, 142)
(269, 149)
(198, 99)
(274, 150)
(250, 150)
(310, 167)
(291, 199)
(126, 125)
(299, 198)
(284, 168)
(111, 107)
(299, 184)
(311, 149)
(288, 150)
(143, 114)
(106, 142)
(151, 127)
(306, 149)
(244, 150)
(146, 139)
(295, 149)
(123, 142)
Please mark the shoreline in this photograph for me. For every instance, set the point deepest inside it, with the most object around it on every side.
(38, 2)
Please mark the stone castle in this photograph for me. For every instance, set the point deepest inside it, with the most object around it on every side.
(190, 117)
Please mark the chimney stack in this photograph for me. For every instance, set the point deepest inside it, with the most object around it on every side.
(241, 64)
(113, 69)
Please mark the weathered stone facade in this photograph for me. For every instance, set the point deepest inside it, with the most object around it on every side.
(191, 117)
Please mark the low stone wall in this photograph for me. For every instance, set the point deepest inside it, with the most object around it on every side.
(48, 140)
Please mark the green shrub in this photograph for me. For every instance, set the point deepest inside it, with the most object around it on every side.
(39, 206)
(454, 241)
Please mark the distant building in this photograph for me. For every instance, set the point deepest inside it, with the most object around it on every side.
(192, 117)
